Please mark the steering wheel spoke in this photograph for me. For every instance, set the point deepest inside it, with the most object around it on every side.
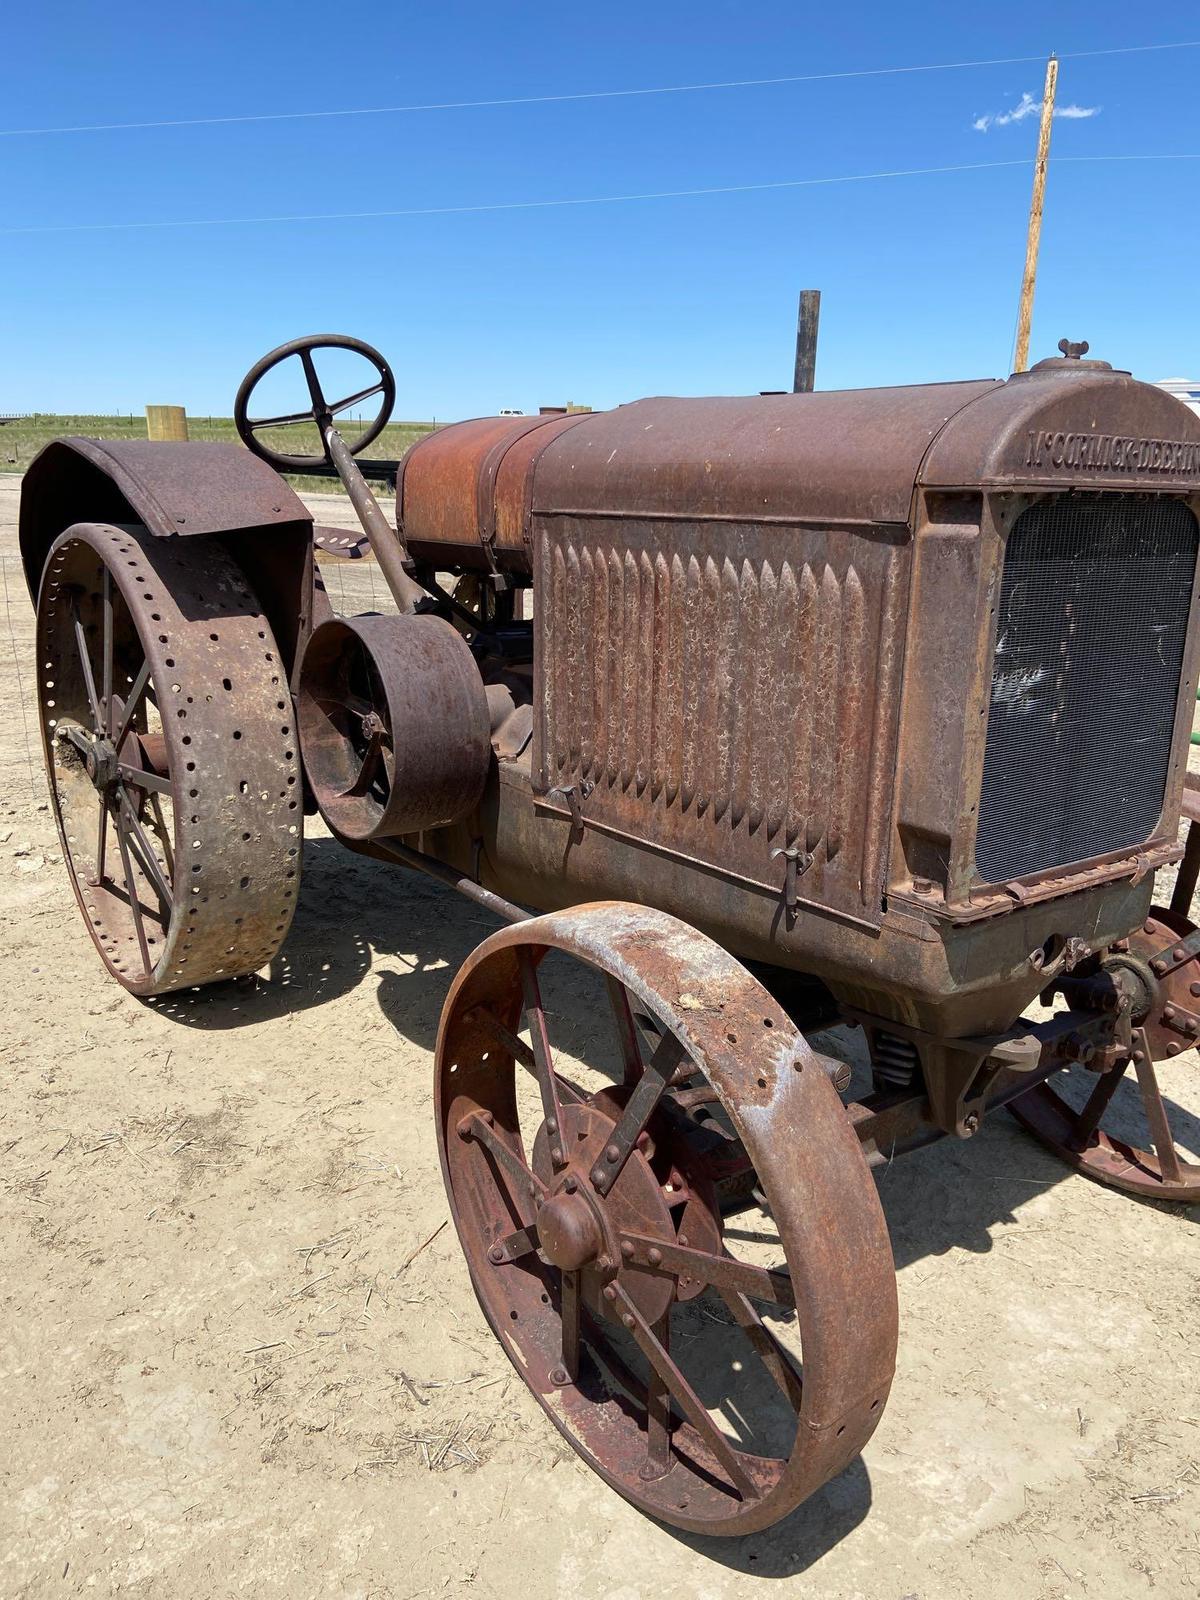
(354, 399)
(320, 411)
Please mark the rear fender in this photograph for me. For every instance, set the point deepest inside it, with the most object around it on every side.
(178, 491)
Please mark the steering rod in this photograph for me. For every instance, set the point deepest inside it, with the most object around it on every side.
(387, 543)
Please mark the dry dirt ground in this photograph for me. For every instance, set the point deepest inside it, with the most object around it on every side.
(229, 1368)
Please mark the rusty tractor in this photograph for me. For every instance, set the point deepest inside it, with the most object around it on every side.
(867, 708)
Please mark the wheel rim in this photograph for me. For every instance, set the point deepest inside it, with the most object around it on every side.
(1080, 1123)
(575, 1235)
(167, 734)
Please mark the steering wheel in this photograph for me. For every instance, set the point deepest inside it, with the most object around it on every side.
(321, 411)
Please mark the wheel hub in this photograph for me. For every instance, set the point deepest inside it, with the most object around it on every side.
(569, 1233)
(1172, 1017)
(581, 1230)
(99, 756)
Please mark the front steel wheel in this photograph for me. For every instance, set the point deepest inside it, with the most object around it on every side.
(1117, 1127)
(714, 1369)
(170, 751)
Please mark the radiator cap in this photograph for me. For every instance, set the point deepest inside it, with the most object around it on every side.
(1071, 360)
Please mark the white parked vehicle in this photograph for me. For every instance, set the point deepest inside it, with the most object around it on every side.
(1185, 389)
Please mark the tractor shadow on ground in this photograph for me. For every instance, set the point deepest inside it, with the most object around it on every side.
(353, 914)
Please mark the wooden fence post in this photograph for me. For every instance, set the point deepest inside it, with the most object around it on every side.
(806, 341)
(166, 423)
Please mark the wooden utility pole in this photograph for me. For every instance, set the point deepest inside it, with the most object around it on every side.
(807, 321)
(166, 422)
(1025, 315)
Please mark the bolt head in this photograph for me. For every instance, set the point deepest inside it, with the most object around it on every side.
(556, 1155)
(571, 1185)
(496, 1253)
(598, 1176)
(627, 1248)
(610, 1291)
(628, 1319)
(551, 1127)
(683, 1240)
(654, 1257)
(612, 1153)
(605, 1263)
(559, 1375)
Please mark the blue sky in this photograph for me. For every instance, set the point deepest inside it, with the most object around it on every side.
(595, 303)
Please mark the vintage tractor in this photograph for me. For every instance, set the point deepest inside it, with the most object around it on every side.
(867, 708)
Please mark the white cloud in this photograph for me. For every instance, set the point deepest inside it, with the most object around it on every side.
(1027, 106)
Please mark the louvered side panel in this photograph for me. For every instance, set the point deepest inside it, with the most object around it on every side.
(710, 691)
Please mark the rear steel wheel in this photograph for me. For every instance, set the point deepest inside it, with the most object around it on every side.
(714, 1390)
(1117, 1127)
(168, 737)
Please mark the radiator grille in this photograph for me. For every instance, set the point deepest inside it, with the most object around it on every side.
(1090, 635)
(713, 692)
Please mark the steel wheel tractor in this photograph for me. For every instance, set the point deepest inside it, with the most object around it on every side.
(868, 707)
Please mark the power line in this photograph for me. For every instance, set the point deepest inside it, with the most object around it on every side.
(545, 205)
(593, 94)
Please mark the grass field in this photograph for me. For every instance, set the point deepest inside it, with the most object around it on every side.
(20, 441)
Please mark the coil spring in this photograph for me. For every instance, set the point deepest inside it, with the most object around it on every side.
(894, 1061)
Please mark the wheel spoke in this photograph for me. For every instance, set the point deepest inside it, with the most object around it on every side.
(658, 1460)
(517, 1048)
(571, 1305)
(543, 1061)
(145, 852)
(766, 1346)
(141, 779)
(107, 656)
(89, 681)
(723, 1272)
(631, 1050)
(101, 841)
(131, 889)
(474, 1126)
(136, 691)
(650, 1087)
(521, 1242)
(520, 1051)
(163, 832)
(1088, 1120)
(677, 1386)
(1156, 1113)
